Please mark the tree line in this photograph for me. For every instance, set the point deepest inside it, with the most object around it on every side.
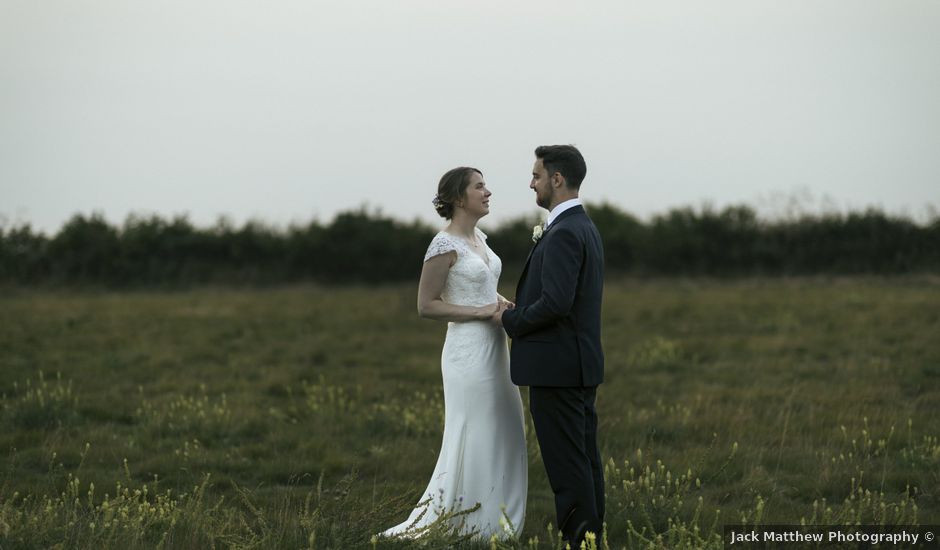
(369, 247)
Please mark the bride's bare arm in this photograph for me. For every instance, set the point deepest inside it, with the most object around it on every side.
(430, 287)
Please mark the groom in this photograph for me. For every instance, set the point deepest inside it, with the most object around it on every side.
(556, 340)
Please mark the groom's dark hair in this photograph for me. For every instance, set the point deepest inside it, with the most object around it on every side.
(564, 159)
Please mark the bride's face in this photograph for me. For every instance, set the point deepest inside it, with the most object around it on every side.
(476, 200)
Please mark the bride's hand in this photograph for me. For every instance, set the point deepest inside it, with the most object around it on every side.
(488, 311)
(506, 304)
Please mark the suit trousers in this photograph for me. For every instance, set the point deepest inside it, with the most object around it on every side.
(566, 427)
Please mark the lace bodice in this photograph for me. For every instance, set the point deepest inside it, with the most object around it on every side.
(470, 282)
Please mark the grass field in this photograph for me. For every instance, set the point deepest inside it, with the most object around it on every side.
(311, 417)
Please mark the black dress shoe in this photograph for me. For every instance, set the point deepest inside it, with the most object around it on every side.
(577, 535)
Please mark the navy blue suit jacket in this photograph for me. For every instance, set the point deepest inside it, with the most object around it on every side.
(556, 324)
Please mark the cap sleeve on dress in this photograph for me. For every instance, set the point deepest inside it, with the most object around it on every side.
(442, 243)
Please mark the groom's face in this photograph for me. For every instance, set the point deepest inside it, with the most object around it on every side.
(542, 185)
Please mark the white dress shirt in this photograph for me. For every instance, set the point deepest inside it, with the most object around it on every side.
(571, 203)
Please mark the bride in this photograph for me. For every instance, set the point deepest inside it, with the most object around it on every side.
(482, 469)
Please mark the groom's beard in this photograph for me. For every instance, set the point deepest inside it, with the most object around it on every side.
(544, 201)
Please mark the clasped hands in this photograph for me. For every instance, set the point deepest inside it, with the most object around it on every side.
(502, 305)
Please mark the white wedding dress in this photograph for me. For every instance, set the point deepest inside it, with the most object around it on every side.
(483, 454)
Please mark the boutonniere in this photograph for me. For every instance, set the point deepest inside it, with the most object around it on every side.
(537, 232)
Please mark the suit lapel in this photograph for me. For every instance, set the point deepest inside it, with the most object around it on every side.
(532, 250)
(563, 215)
(525, 271)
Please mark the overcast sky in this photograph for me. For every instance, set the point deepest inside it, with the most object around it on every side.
(292, 110)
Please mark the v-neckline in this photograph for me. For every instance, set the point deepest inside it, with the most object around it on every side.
(485, 260)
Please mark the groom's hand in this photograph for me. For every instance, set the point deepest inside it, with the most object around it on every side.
(497, 318)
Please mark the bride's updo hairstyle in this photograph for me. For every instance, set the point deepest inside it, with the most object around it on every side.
(452, 187)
